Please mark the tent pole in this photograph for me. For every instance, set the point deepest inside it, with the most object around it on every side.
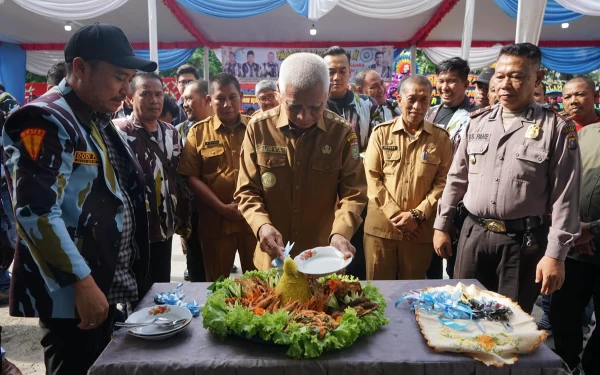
(205, 63)
(413, 60)
(153, 30)
(467, 36)
(530, 18)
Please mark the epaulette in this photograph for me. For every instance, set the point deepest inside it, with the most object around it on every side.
(480, 111)
(265, 115)
(334, 117)
(385, 123)
(198, 123)
(563, 115)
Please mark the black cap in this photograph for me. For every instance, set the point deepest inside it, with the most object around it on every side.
(105, 43)
(485, 76)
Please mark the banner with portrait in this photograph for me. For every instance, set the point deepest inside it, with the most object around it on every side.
(251, 64)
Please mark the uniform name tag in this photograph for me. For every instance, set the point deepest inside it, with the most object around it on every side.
(84, 157)
(211, 143)
(271, 149)
(479, 137)
(389, 148)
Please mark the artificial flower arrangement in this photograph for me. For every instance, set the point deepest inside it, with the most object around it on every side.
(286, 309)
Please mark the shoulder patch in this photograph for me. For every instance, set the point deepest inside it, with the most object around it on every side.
(351, 137)
(32, 139)
(481, 111)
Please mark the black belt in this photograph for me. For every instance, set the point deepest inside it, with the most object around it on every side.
(525, 224)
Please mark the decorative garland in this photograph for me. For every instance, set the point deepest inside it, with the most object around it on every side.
(281, 327)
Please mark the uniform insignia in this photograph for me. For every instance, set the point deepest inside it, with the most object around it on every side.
(529, 114)
(472, 159)
(351, 137)
(211, 143)
(431, 147)
(84, 157)
(268, 179)
(568, 129)
(572, 140)
(271, 149)
(32, 139)
(326, 150)
(480, 111)
(329, 115)
(533, 131)
(390, 142)
(389, 148)
(355, 152)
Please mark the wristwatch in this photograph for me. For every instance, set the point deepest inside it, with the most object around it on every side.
(595, 228)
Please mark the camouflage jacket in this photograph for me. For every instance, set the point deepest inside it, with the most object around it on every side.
(68, 204)
(166, 192)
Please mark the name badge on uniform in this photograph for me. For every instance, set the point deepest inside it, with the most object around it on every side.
(389, 148)
(83, 157)
(271, 149)
(211, 143)
(533, 131)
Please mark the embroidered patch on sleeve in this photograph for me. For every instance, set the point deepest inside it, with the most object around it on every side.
(83, 157)
(32, 139)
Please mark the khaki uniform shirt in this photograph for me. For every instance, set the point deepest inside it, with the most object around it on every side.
(405, 173)
(212, 153)
(308, 187)
(533, 168)
(589, 139)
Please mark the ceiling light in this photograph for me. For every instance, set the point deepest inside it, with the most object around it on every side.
(68, 26)
(565, 25)
(313, 31)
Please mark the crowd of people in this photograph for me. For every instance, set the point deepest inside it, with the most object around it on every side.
(104, 169)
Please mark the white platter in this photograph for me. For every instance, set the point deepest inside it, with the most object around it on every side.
(153, 331)
(321, 261)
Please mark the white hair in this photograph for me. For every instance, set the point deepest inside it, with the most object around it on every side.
(264, 85)
(303, 71)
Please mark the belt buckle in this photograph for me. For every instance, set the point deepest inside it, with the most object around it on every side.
(495, 226)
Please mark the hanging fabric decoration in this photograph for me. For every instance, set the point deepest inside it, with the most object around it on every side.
(572, 60)
(587, 7)
(479, 57)
(39, 62)
(555, 13)
(70, 10)
(168, 58)
(241, 9)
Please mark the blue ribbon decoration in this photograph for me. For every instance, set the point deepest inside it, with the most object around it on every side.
(447, 306)
(555, 13)
(176, 297)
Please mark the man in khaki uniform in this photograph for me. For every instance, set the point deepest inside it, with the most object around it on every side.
(517, 163)
(301, 177)
(407, 161)
(211, 162)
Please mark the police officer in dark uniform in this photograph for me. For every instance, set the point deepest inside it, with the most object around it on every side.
(517, 163)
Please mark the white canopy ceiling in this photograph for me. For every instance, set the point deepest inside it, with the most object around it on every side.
(18, 25)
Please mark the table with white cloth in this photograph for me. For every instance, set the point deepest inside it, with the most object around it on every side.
(397, 348)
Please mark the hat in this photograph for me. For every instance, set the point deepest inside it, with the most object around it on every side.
(485, 76)
(106, 43)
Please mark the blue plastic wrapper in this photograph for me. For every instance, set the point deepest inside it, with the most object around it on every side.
(447, 306)
(177, 297)
(278, 262)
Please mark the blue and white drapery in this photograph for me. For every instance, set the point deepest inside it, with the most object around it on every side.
(38, 62)
(572, 60)
(12, 70)
(587, 7)
(313, 9)
(555, 13)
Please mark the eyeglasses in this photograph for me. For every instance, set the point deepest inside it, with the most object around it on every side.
(266, 98)
(185, 82)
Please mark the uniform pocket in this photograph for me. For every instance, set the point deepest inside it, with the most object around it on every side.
(211, 159)
(529, 163)
(325, 173)
(427, 169)
(272, 169)
(391, 162)
(477, 151)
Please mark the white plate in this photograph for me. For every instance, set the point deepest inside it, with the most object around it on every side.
(321, 261)
(153, 331)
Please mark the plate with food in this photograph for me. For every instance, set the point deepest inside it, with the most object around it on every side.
(309, 318)
(159, 322)
(321, 261)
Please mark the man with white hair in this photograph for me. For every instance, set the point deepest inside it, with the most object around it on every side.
(301, 178)
(267, 96)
